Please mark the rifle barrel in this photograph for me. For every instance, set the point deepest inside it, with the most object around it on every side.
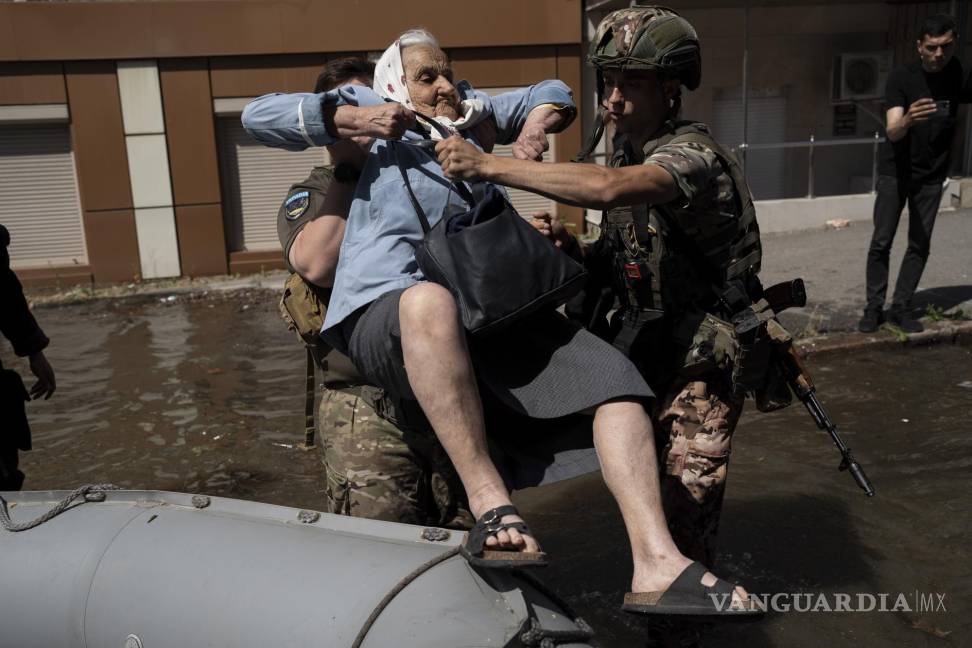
(823, 422)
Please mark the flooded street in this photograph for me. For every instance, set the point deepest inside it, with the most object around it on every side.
(205, 394)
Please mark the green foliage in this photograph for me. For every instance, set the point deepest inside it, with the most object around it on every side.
(939, 314)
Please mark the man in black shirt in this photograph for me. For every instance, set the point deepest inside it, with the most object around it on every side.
(18, 325)
(922, 101)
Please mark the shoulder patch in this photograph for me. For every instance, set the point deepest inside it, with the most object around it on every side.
(296, 204)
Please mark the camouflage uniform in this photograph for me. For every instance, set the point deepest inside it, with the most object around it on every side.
(696, 417)
(380, 461)
(383, 470)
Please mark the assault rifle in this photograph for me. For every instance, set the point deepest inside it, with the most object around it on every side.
(786, 295)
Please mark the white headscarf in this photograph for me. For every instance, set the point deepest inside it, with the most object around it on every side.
(390, 84)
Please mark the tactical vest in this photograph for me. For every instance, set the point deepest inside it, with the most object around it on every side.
(667, 265)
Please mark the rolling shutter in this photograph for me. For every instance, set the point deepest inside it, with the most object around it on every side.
(765, 168)
(525, 202)
(39, 200)
(255, 181)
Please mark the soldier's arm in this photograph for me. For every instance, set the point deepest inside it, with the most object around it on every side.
(316, 247)
(314, 252)
(582, 185)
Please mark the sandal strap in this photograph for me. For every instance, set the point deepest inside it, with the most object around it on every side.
(689, 582)
(722, 587)
(493, 516)
(489, 524)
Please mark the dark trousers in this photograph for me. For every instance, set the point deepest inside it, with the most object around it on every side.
(11, 479)
(923, 201)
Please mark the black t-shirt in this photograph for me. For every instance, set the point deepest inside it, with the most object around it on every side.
(921, 156)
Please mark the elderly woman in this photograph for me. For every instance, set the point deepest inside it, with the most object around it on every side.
(405, 334)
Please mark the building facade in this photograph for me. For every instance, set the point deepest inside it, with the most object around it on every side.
(122, 156)
(121, 152)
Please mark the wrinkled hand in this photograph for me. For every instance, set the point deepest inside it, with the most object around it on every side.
(921, 110)
(46, 384)
(531, 144)
(552, 228)
(459, 159)
(388, 121)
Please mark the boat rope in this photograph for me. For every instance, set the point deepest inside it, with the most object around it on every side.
(90, 493)
(393, 592)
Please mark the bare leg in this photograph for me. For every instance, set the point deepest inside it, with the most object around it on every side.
(626, 448)
(441, 376)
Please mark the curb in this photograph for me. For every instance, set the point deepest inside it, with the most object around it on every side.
(936, 333)
(944, 332)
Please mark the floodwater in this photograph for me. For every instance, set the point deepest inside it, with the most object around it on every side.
(205, 394)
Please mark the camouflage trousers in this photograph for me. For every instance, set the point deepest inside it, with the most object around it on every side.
(376, 470)
(695, 426)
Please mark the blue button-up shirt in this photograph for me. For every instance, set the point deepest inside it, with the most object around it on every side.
(377, 253)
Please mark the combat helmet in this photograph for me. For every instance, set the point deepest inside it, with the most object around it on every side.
(648, 38)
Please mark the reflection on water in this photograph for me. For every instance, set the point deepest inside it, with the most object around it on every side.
(200, 394)
(206, 395)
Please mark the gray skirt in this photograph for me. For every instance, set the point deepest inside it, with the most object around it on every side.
(535, 380)
(543, 367)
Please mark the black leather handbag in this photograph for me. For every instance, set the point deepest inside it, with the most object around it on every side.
(498, 267)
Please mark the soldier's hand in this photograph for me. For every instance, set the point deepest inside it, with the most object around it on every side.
(921, 110)
(46, 384)
(531, 144)
(459, 159)
(551, 227)
(388, 121)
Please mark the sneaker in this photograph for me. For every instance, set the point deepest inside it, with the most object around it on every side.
(903, 322)
(870, 322)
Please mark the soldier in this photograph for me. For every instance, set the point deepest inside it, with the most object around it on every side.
(377, 463)
(20, 327)
(679, 249)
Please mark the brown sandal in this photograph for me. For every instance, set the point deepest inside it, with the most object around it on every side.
(474, 548)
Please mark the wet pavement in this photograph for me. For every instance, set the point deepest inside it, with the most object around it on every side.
(204, 393)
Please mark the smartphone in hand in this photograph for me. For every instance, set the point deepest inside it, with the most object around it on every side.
(942, 108)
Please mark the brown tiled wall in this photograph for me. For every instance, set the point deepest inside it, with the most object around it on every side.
(202, 246)
(251, 76)
(174, 28)
(190, 136)
(112, 244)
(509, 67)
(31, 83)
(102, 163)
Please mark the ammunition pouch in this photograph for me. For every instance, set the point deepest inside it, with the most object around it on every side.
(760, 336)
(710, 344)
(743, 350)
(303, 307)
(775, 391)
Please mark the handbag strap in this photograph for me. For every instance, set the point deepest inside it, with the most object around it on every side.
(460, 188)
(445, 133)
(411, 194)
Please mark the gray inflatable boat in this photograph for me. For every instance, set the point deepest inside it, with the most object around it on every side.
(149, 569)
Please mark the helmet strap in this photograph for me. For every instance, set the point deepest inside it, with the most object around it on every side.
(595, 137)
